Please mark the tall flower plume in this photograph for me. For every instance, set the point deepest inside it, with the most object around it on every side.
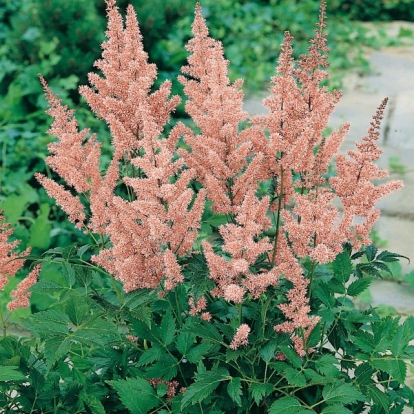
(155, 223)
(219, 152)
(10, 261)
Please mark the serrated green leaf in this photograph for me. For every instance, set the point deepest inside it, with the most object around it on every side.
(10, 373)
(204, 385)
(313, 378)
(234, 390)
(93, 403)
(267, 353)
(197, 353)
(295, 377)
(151, 355)
(370, 252)
(389, 257)
(55, 348)
(359, 286)
(397, 368)
(327, 365)
(208, 331)
(166, 368)
(98, 332)
(363, 375)
(260, 390)
(45, 323)
(82, 250)
(342, 267)
(341, 394)
(288, 405)
(143, 331)
(69, 274)
(336, 409)
(291, 356)
(143, 314)
(167, 328)
(314, 337)
(401, 339)
(137, 298)
(364, 341)
(136, 394)
(380, 398)
(324, 294)
(48, 287)
(76, 308)
(184, 342)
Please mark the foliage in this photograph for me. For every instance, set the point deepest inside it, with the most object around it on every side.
(237, 271)
(376, 10)
(80, 357)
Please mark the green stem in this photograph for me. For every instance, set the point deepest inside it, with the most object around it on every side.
(311, 276)
(279, 208)
(3, 323)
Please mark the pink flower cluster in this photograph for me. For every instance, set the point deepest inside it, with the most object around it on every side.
(10, 264)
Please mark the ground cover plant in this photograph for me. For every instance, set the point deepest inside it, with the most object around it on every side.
(220, 273)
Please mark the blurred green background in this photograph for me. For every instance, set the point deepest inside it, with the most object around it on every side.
(61, 39)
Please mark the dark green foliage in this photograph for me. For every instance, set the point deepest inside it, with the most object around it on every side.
(80, 360)
(376, 10)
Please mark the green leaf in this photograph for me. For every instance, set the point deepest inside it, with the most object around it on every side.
(380, 398)
(166, 368)
(167, 329)
(9, 373)
(363, 375)
(370, 252)
(184, 342)
(83, 249)
(267, 353)
(204, 385)
(93, 403)
(397, 368)
(291, 356)
(402, 338)
(197, 353)
(388, 257)
(295, 377)
(151, 355)
(49, 287)
(342, 267)
(68, 273)
(136, 394)
(336, 409)
(55, 348)
(76, 308)
(359, 286)
(260, 390)
(364, 341)
(342, 394)
(45, 323)
(288, 405)
(327, 365)
(234, 390)
(98, 332)
(324, 294)
(208, 331)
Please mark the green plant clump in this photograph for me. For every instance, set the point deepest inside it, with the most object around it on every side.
(212, 273)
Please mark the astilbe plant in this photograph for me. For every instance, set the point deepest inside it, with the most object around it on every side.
(220, 269)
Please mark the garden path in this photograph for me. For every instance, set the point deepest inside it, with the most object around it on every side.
(392, 76)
